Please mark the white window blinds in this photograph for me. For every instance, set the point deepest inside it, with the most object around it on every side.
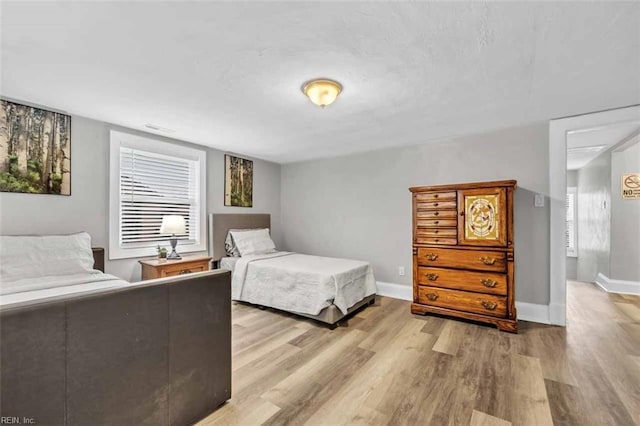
(150, 179)
(571, 223)
(152, 186)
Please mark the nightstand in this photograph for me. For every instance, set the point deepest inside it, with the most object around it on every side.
(156, 268)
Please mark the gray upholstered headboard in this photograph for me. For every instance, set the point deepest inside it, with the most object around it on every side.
(219, 225)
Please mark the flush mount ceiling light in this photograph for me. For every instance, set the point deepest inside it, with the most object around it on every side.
(322, 92)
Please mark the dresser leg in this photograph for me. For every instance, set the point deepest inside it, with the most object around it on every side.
(510, 326)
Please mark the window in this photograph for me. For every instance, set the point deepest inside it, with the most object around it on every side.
(571, 234)
(150, 179)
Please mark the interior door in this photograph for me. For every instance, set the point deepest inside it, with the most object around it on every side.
(483, 220)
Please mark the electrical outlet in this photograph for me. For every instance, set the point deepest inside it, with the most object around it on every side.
(401, 271)
(538, 200)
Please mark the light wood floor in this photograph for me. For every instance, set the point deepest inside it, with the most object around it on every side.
(390, 367)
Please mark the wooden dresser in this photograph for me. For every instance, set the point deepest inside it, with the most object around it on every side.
(156, 268)
(463, 263)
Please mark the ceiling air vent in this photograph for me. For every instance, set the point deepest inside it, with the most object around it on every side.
(158, 128)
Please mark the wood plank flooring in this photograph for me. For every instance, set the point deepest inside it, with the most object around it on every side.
(390, 367)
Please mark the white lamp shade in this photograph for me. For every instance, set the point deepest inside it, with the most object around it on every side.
(173, 225)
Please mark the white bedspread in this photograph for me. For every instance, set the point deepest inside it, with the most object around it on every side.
(301, 283)
(50, 288)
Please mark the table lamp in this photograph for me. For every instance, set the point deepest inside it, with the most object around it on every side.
(173, 225)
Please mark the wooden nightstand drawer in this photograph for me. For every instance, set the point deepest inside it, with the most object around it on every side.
(182, 270)
(154, 268)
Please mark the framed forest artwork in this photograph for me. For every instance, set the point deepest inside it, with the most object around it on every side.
(35, 150)
(238, 181)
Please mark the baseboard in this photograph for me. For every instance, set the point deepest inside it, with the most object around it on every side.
(533, 312)
(526, 311)
(395, 291)
(617, 286)
(557, 314)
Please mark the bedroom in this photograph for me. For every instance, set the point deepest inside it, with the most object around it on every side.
(432, 94)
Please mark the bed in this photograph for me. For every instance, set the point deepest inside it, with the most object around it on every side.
(322, 288)
(80, 347)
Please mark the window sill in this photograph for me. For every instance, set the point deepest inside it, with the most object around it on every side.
(117, 253)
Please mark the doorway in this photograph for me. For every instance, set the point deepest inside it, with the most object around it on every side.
(589, 137)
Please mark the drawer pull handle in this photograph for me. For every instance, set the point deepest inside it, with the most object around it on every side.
(431, 256)
(435, 204)
(435, 196)
(432, 297)
(436, 222)
(489, 305)
(185, 271)
(488, 260)
(436, 213)
(489, 283)
(432, 277)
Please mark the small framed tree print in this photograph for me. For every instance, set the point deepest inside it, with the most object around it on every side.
(238, 181)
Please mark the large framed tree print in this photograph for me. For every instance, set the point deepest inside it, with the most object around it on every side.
(35, 150)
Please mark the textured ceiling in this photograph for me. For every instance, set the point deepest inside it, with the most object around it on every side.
(228, 75)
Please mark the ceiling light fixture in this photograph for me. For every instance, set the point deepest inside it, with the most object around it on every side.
(322, 92)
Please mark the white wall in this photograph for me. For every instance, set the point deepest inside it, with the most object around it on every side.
(359, 206)
(625, 219)
(572, 262)
(87, 207)
(594, 218)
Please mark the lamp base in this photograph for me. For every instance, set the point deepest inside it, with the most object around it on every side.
(174, 254)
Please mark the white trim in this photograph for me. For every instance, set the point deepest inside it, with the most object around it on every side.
(617, 286)
(118, 139)
(557, 193)
(526, 311)
(533, 312)
(395, 291)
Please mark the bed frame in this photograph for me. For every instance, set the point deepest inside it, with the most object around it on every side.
(155, 353)
(219, 226)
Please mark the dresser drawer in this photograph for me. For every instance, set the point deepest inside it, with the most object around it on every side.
(448, 241)
(486, 304)
(436, 196)
(437, 214)
(437, 232)
(436, 223)
(481, 260)
(437, 205)
(481, 282)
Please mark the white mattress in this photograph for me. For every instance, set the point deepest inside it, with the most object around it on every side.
(47, 289)
(228, 263)
(301, 283)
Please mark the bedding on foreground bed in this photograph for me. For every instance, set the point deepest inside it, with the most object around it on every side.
(301, 283)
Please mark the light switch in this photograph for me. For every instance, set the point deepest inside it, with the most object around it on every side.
(538, 200)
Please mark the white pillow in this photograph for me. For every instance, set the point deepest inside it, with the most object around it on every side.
(254, 241)
(230, 246)
(24, 257)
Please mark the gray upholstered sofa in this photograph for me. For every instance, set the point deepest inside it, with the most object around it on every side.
(158, 353)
